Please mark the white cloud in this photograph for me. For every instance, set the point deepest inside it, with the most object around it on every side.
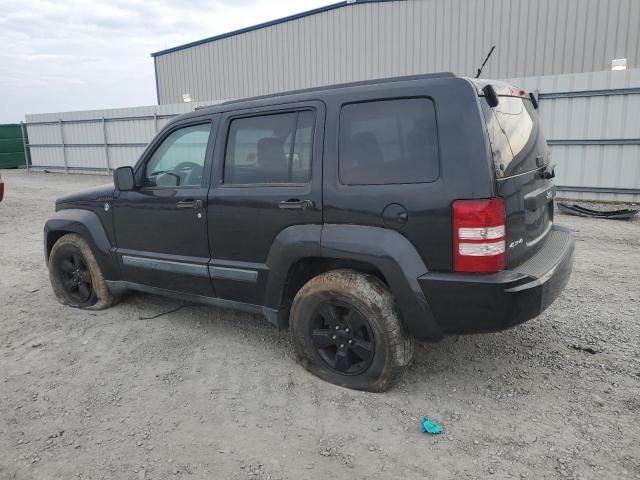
(83, 54)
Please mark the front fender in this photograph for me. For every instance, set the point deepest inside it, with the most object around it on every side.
(88, 225)
(397, 259)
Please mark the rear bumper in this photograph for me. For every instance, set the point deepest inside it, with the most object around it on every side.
(473, 303)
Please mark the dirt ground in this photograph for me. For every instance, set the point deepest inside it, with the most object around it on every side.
(206, 393)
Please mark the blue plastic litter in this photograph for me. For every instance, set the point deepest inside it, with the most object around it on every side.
(427, 426)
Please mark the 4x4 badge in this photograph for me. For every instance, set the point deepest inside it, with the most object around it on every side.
(516, 243)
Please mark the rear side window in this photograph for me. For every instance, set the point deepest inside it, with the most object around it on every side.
(387, 142)
(272, 148)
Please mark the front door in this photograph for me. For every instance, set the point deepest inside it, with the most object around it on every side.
(161, 225)
(268, 177)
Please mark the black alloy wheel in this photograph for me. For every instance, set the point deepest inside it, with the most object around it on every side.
(346, 330)
(75, 276)
(343, 337)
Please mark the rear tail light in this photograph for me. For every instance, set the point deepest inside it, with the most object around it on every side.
(478, 235)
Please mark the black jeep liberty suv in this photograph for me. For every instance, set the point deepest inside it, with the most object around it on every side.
(360, 215)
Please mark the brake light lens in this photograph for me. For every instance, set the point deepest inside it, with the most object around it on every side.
(478, 235)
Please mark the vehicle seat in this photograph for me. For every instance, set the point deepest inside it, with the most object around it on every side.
(365, 155)
(271, 160)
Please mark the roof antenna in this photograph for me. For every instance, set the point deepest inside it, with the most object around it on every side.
(485, 61)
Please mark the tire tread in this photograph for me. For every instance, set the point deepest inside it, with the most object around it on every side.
(375, 295)
(105, 298)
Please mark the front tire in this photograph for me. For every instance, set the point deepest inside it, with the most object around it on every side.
(75, 275)
(346, 330)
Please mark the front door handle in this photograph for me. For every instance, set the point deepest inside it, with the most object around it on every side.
(295, 204)
(196, 204)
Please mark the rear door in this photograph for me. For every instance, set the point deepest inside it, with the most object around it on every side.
(523, 173)
(268, 177)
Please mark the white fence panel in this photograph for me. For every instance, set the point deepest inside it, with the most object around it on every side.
(44, 134)
(123, 156)
(89, 158)
(590, 121)
(96, 140)
(85, 132)
(131, 131)
(592, 126)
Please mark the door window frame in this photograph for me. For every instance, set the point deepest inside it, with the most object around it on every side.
(315, 164)
(141, 167)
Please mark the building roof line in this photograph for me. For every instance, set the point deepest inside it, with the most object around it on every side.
(270, 23)
(335, 86)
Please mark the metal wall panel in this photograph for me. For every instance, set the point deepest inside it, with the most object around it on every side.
(49, 158)
(96, 140)
(47, 134)
(123, 156)
(12, 153)
(381, 39)
(592, 112)
(130, 131)
(591, 124)
(90, 158)
(82, 132)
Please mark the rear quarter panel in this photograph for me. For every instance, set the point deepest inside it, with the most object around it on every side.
(464, 168)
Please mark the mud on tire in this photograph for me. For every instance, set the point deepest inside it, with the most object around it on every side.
(347, 331)
(76, 277)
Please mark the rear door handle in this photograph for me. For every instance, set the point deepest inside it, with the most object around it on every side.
(295, 204)
(196, 204)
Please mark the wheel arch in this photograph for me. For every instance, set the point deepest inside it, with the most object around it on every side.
(88, 225)
(304, 253)
(306, 268)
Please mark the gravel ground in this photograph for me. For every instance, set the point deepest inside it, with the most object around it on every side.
(206, 393)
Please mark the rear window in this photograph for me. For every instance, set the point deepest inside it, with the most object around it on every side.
(514, 132)
(388, 142)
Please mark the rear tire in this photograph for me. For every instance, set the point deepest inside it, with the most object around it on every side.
(76, 277)
(346, 330)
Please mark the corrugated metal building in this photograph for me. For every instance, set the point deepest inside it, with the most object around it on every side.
(562, 49)
(362, 39)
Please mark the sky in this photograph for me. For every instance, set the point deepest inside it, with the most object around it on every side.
(66, 55)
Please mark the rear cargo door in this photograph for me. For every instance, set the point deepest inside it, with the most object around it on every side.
(523, 174)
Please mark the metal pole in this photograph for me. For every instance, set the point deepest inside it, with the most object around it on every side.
(155, 121)
(24, 144)
(64, 151)
(106, 145)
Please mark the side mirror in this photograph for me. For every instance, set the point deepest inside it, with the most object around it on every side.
(123, 179)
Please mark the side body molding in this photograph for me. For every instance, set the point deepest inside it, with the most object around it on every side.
(88, 225)
(397, 259)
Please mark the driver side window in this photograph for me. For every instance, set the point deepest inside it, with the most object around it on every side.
(179, 160)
